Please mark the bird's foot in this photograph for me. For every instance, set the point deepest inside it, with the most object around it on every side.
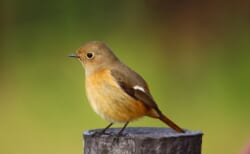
(100, 133)
(116, 137)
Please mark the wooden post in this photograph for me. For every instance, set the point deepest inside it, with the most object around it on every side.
(143, 141)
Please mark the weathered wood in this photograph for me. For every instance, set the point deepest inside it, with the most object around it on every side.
(143, 141)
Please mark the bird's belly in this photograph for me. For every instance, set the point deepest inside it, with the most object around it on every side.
(110, 101)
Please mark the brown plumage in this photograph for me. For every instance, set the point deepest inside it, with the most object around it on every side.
(116, 92)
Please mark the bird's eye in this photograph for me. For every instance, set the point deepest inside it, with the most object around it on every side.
(90, 55)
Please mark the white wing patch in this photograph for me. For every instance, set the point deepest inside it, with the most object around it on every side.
(136, 87)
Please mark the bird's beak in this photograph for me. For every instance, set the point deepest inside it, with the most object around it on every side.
(74, 55)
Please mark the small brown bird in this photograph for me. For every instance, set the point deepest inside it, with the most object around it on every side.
(116, 92)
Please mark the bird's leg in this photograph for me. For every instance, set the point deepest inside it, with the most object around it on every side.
(116, 138)
(120, 132)
(103, 131)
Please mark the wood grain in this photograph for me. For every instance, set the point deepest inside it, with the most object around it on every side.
(143, 141)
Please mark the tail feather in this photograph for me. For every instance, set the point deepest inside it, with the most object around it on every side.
(170, 123)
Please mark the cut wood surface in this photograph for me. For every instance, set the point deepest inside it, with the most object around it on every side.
(142, 141)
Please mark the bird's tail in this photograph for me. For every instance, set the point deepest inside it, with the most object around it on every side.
(170, 123)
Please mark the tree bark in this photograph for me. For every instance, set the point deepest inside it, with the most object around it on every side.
(143, 141)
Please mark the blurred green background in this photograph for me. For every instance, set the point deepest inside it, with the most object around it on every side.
(194, 55)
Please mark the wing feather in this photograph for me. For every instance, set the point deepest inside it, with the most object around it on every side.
(128, 84)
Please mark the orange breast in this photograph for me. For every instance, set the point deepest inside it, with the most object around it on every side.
(110, 101)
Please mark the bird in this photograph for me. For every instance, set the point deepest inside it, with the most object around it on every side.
(116, 92)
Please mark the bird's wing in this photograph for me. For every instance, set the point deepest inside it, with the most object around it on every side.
(136, 87)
